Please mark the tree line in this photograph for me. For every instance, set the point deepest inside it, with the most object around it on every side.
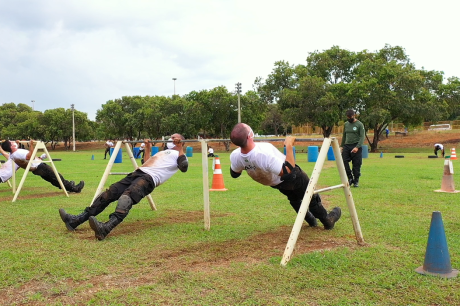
(382, 87)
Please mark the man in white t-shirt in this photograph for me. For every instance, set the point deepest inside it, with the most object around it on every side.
(132, 189)
(438, 147)
(141, 150)
(108, 144)
(265, 164)
(211, 152)
(6, 170)
(22, 156)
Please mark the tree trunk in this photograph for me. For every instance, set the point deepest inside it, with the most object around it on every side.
(227, 145)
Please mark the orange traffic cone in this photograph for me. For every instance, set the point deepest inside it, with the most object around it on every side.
(453, 155)
(447, 184)
(218, 178)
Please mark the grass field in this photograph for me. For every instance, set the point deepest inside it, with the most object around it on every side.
(166, 257)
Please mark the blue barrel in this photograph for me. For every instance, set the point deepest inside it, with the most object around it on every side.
(119, 158)
(365, 151)
(293, 149)
(135, 152)
(154, 151)
(189, 152)
(313, 153)
(330, 154)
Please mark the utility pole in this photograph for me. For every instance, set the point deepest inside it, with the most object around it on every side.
(238, 91)
(33, 101)
(73, 125)
(174, 79)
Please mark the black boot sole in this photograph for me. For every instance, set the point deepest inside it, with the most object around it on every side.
(93, 223)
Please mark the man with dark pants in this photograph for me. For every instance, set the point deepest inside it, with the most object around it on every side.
(438, 147)
(21, 157)
(351, 146)
(132, 189)
(265, 164)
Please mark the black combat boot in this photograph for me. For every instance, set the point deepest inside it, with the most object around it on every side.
(79, 187)
(311, 220)
(72, 221)
(332, 217)
(101, 230)
(356, 183)
(350, 181)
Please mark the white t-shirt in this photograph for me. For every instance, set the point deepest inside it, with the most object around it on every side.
(263, 164)
(19, 158)
(142, 147)
(439, 145)
(211, 150)
(6, 171)
(164, 166)
(109, 144)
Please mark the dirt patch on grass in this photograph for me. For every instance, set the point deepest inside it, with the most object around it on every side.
(160, 264)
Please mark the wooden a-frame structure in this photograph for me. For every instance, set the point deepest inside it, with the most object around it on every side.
(40, 145)
(107, 172)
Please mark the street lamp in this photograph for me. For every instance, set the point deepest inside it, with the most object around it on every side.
(33, 101)
(174, 79)
(238, 91)
(73, 125)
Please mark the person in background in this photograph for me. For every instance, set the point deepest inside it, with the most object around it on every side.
(211, 152)
(438, 147)
(141, 150)
(265, 164)
(108, 144)
(351, 146)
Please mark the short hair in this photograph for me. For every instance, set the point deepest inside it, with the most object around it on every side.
(350, 113)
(181, 137)
(6, 146)
(239, 135)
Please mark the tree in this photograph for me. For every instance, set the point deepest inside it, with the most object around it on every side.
(13, 116)
(450, 93)
(58, 123)
(119, 118)
(273, 120)
(389, 88)
(318, 92)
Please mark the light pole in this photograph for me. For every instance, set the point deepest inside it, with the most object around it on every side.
(73, 125)
(33, 101)
(238, 91)
(174, 79)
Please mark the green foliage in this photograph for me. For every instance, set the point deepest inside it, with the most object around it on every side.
(382, 86)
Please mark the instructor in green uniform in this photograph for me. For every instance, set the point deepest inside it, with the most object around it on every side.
(351, 146)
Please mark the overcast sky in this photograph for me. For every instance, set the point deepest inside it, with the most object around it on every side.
(86, 52)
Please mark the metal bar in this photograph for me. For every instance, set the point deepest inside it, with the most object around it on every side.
(221, 140)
